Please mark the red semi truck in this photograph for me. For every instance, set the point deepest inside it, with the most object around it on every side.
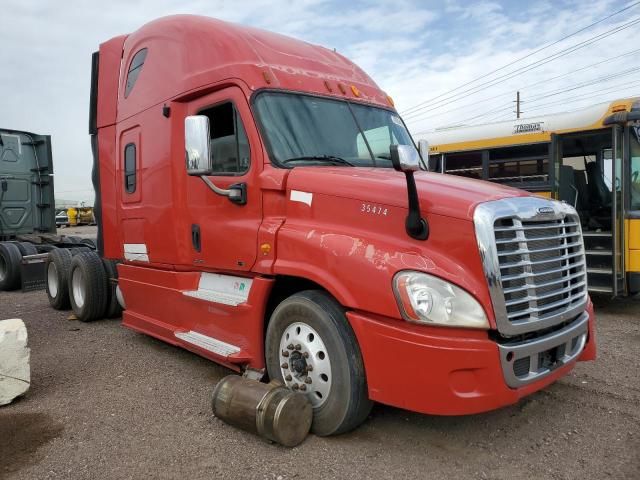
(265, 204)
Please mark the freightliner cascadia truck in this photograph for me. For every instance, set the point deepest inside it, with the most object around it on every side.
(267, 209)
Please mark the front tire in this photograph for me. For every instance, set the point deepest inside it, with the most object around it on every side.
(310, 329)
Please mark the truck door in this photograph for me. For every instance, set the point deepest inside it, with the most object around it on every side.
(222, 234)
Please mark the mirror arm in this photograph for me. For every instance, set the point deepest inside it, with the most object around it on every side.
(218, 190)
(416, 226)
(236, 194)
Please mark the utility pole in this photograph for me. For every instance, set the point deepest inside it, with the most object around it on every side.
(518, 104)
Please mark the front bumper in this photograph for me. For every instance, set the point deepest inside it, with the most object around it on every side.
(456, 371)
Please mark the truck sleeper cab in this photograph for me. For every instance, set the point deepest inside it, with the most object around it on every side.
(244, 181)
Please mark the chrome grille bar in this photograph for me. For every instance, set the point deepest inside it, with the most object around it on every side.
(507, 278)
(533, 258)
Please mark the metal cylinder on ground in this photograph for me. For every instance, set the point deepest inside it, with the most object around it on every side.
(268, 409)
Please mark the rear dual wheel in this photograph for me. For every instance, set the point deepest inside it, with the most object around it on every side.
(10, 261)
(311, 348)
(57, 266)
(88, 286)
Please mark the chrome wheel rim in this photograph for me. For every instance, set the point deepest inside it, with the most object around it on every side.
(305, 362)
(77, 287)
(52, 279)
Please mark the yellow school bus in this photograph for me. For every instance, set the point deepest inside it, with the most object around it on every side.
(588, 158)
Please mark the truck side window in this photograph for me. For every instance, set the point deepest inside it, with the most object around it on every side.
(134, 70)
(229, 143)
(130, 168)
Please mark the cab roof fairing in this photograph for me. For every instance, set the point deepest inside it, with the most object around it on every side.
(188, 52)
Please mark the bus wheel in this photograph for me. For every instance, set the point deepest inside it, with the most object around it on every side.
(58, 264)
(311, 348)
(88, 286)
(10, 259)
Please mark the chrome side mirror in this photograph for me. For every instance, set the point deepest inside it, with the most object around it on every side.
(196, 144)
(200, 161)
(423, 148)
(405, 158)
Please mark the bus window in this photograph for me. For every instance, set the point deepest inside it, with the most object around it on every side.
(607, 165)
(634, 165)
(464, 164)
(520, 166)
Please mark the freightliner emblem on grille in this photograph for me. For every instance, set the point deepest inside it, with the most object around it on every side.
(545, 210)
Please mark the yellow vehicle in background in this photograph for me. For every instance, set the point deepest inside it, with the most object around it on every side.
(588, 158)
(81, 216)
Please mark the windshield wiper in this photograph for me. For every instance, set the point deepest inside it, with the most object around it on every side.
(320, 158)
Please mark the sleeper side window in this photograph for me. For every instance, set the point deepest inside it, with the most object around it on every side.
(134, 70)
(130, 168)
(229, 143)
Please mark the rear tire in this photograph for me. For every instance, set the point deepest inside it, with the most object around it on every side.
(74, 239)
(90, 242)
(26, 248)
(114, 309)
(79, 249)
(88, 290)
(10, 260)
(312, 329)
(57, 267)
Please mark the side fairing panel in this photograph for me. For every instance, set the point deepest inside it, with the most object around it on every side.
(108, 224)
(108, 74)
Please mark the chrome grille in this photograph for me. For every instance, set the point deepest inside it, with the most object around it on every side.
(541, 266)
(533, 258)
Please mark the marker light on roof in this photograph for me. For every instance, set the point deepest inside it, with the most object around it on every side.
(390, 100)
(355, 90)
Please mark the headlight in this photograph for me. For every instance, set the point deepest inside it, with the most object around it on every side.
(426, 299)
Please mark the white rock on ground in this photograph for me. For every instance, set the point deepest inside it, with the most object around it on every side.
(15, 372)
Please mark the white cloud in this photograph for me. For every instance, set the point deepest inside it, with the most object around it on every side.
(414, 50)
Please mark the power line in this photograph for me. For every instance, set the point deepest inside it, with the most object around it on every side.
(595, 81)
(619, 89)
(523, 58)
(607, 100)
(522, 88)
(532, 66)
(586, 96)
(507, 108)
(543, 95)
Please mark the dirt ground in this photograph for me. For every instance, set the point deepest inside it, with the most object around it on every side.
(106, 402)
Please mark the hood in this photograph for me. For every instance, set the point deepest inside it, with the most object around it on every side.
(439, 194)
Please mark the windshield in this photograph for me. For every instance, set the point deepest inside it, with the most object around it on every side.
(306, 130)
(634, 165)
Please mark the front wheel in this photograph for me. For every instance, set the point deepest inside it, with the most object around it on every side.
(311, 348)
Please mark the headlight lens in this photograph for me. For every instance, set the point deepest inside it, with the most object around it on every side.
(426, 299)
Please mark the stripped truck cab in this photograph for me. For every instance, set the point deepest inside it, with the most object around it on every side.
(260, 194)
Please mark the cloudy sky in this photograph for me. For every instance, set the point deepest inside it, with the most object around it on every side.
(444, 62)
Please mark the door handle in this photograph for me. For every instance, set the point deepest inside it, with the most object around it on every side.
(195, 237)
